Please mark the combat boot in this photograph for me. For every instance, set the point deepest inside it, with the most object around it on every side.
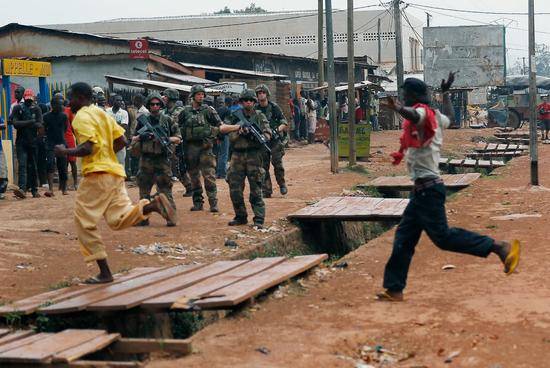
(143, 223)
(283, 189)
(237, 221)
(214, 206)
(197, 206)
(266, 195)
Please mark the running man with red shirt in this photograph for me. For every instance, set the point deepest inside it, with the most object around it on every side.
(544, 115)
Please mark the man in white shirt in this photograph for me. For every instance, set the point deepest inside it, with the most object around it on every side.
(121, 117)
(423, 138)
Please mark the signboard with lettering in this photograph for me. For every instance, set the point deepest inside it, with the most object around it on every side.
(362, 139)
(26, 68)
(139, 49)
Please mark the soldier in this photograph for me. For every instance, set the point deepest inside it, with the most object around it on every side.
(154, 163)
(199, 126)
(171, 96)
(279, 127)
(246, 160)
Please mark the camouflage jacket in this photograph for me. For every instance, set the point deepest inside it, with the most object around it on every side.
(152, 146)
(173, 113)
(199, 124)
(242, 142)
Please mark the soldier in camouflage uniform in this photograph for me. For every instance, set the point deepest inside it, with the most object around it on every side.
(246, 161)
(154, 162)
(171, 97)
(279, 127)
(199, 124)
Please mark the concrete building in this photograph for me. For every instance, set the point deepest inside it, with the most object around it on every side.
(288, 33)
(84, 56)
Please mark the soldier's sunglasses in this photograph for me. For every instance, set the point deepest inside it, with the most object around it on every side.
(155, 104)
(249, 100)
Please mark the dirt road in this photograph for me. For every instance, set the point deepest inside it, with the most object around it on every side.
(473, 314)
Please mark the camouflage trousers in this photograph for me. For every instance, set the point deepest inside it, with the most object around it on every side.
(155, 169)
(179, 168)
(246, 165)
(276, 159)
(201, 160)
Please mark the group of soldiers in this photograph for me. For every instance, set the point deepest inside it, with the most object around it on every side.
(186, 136)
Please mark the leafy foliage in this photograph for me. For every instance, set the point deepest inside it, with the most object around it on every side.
(251, 9)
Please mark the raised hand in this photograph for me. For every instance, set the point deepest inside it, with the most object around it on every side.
(446, 85)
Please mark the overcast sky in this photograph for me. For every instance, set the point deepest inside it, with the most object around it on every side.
(71, 11)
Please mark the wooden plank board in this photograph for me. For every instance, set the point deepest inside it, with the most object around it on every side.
(17, 335)
(328, 201)
(456, 162)
(80, 302)
(106, 364)
(443, 160)
(491, 147)
(43, 350)
(139, 346)
(88, 347)
(356, 208)
(469, 163)
(24, 341)
(249, 287)
(467, 179)
(31, 304)
(130, 300)
(211, 284)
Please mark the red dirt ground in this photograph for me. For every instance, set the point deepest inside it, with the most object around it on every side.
(493, 320)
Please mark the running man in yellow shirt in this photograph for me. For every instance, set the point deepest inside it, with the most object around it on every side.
(102, 192)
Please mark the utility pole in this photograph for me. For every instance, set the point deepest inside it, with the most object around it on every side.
(524, 70)
(533, 98)
(351, 88)
(428, 18)
(320, 58)
(398, 42)
(379, 43)
(331, 90)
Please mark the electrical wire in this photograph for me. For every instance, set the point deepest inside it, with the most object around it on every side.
(476, 11)
(231, 24)
(474, 21)
(411, 26)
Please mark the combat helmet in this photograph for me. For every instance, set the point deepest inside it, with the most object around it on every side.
(248, 94)
(152, 96)
(171, 94)
(196, 89)
(263, 88)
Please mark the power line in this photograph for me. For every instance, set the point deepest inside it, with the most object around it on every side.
(474, 21)
(231, 24)
(410, 25)
(476, 11)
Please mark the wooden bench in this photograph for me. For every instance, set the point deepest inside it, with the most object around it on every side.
(446, 163)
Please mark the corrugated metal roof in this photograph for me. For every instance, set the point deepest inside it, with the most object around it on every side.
(157, 85)
(235, 71)
(360, 85)
(190, 79)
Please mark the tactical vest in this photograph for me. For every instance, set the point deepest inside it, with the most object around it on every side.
(152, 147)
(196, 126)
(26, 135)
(239, 142)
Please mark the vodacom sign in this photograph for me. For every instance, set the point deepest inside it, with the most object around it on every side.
(139, 49)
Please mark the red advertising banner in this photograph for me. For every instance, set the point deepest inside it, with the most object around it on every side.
(139, 49)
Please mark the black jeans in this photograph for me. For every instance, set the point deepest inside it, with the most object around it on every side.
(27, 170)
(426, 211)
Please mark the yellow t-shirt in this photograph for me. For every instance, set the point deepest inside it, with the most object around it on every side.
(95, 125)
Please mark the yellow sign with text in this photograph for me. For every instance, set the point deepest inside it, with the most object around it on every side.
(26, 68)
(362, 140)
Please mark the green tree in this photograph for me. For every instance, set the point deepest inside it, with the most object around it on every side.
(251, 9)
(225, 10)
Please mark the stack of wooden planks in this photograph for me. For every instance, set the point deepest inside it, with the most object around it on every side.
(469, 163)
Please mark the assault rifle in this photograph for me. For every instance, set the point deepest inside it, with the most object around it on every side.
(149, 131)
(253, 129)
